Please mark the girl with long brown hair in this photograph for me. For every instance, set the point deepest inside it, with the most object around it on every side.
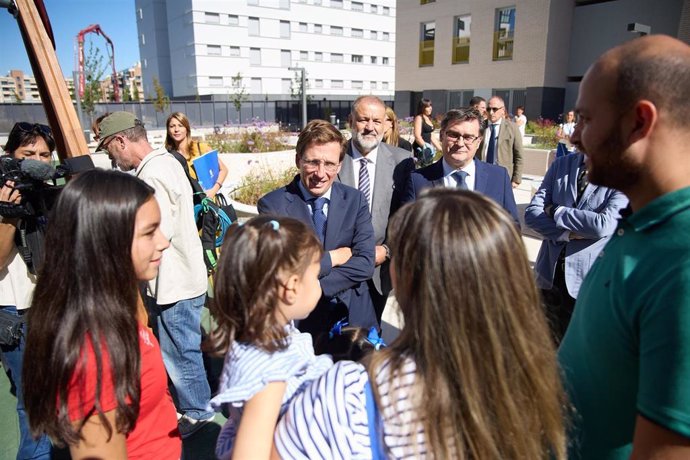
(473, 374)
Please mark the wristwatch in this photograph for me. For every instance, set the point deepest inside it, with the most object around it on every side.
(388, 251)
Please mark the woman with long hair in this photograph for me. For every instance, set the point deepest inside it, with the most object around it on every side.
(179, 139)
(473, 374)
(391, 133)
(93, 372)
(425, 145)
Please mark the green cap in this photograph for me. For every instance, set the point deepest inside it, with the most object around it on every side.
(114, 123)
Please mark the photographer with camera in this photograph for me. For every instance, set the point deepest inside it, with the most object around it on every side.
(33, 142)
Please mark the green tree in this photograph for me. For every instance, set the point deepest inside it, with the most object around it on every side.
(135, 93)
(126, 94)
(161, 100)
(93, 72)
(296, 86)
(239, 94)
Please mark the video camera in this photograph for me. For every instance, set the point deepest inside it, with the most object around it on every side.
(30, 179)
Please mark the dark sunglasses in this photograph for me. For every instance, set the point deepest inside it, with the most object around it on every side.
(31, 128)
(493, 109)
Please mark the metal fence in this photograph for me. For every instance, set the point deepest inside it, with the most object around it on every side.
(201, 113)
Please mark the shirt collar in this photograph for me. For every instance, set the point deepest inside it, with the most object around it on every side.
(470, 169)
(660, 210)
(371, 156)
(308, 196)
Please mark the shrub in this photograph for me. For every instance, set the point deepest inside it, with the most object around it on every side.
(543, 131)
(260, 181)
(256, 138)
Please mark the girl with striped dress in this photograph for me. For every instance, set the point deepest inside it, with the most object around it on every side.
(267, 277)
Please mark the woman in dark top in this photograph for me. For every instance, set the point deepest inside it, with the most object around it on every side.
(425, 145)
(391, 133)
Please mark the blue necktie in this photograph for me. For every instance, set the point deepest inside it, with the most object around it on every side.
(364, 186)
(491, 150)
(460, 179)
(319, 217)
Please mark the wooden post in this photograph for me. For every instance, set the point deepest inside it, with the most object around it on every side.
(57, 102)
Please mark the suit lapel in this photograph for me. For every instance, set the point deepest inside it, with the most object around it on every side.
(297, 206)
(437, 175)
(347, 170)
(336, 213)
(482, 178)
(383, 181)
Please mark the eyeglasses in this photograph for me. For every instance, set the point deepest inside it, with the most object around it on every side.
(32, 127)
(313, 165)
(493, 109)
(104, 147)
(468, 139)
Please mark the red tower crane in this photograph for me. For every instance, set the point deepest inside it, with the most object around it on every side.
(95, 28)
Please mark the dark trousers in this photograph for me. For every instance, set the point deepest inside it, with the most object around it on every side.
(558, 303)
(378, 300)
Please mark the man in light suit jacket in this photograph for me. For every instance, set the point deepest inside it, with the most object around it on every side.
(502, 141)
(340, 217)
(576, 220)
(382, 181)
(461, 132)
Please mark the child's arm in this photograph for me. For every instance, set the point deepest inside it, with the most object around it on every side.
(259, 418)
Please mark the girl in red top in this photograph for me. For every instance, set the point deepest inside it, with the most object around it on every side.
(94, 376)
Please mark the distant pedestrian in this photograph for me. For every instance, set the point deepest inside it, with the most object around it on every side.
(520, 119)
(425, 145)
(267, 278)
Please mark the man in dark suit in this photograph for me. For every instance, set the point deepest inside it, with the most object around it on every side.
(461, 132)
(340, 217)
(502, 142)
(380, 172)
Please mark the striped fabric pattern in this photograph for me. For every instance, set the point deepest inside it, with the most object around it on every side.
(329, 419)
(364, 183)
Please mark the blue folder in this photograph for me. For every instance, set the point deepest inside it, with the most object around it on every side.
(207, 169)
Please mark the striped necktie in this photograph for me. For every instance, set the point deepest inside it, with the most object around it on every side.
(364, 185)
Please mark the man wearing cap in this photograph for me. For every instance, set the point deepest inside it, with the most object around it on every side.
(175, 298)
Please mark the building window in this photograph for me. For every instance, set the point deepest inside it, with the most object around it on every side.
(234, 51)
(286, 86)
(317, 2)
(386, 11)
(233, 20)
(254, 56)
(504, 32)
(336, 3)
(384, 60)
(213, 50)
(372, 84)
(318, 29)
(424, 2)
(143, 39)
(336, 31)
(357, 33)
(212, 18)
(254, 26)
(284, 4)
(426, 43)
(284, 29)
(215, 81)
(357, 6)
(141, 13)
(373, 59)
(285, 58)
(318, 56)
(374, 8)
(384, 85)
(357, 84)
(303, 56)
(302, 26)
(336, 84)
(386, 36)
(336, 57)
(318, 83)
(374, 35)
(357, 58)
(256, 86)
(461, 39)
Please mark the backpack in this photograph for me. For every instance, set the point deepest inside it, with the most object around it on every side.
(213, 218)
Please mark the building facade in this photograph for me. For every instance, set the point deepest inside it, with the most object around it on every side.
(19, 87)
(197, 48)
(530, 52)
(131, 89)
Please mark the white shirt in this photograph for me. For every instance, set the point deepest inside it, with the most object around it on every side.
(450, 181)
(521, 127)
(16, 283)
(308, 196)
(182, 273)
(371, 168)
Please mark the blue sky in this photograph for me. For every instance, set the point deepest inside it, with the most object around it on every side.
(116, 17)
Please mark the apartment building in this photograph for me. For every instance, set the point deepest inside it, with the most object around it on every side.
(197, 48)
(16, 86)
(130, 84)
(530, 52)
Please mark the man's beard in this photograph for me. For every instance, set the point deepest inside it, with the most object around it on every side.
(365, 144)
(614, 169)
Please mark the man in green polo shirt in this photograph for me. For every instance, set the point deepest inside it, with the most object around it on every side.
(626, 354)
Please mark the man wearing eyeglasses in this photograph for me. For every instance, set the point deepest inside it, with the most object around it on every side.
(340, 217)
(461, 132)
(502, 142)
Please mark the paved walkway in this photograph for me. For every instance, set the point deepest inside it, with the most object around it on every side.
(200, 446)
